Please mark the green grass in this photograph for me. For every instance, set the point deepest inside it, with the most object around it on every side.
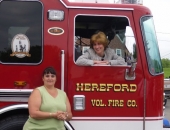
(166, 72)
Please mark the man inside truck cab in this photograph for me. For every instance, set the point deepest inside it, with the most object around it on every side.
(99, 53)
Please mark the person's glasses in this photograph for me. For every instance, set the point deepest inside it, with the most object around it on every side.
(48, 75)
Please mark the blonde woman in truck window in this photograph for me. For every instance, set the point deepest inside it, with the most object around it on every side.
(48, 106)
(99, 53)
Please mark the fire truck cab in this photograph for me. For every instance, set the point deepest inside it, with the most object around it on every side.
(35, 34)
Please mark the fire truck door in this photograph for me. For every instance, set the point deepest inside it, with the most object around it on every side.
(105, 90)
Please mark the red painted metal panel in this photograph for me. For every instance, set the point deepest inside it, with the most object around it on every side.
(103, 106)
(52, 46)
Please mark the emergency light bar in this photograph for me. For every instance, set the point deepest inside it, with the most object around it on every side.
(132, 1)
(110, 1)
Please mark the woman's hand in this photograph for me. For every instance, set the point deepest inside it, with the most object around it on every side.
(60, 115)
(101, 62)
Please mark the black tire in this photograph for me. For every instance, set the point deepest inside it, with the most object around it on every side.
(14, 122)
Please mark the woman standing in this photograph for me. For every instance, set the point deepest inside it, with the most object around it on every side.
(48, 106)
(99, 53)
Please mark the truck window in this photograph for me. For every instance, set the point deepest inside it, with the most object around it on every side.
(113, 26)
(151, 46)
(20, 32)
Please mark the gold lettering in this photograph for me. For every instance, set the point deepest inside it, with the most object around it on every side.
(116, 103)
(133, 87)
(95, 86)
(87, 87)
(125, 86)
(134, 103)
(79, 87)
(109, 86)
(102, 87)
(109, 102)
(121, 103)
(101, 103)
(131, 103)
(91, 87)
(117, 87)
(93, 102)
(97, 103)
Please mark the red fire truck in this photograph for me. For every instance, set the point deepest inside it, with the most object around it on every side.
(35, 34)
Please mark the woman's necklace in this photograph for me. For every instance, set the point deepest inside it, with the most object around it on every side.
(100, 57)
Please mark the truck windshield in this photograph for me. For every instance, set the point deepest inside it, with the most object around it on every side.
(151, 46)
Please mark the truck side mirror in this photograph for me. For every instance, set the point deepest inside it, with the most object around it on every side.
(130, 44)
(131, 53)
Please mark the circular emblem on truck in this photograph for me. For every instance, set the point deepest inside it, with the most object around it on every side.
(55, 31)
(20, 46)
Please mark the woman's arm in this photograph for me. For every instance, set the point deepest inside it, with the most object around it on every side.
(67, 115)
(34, 103)
(116, 60)
(84, 60)
(68, 110)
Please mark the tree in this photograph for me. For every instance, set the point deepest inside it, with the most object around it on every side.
(165, 63)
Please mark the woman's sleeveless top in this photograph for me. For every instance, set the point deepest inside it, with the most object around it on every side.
(49, 104)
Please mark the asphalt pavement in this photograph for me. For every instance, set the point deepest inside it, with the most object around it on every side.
(167, 110)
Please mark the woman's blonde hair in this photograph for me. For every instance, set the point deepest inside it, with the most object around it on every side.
(99, 37)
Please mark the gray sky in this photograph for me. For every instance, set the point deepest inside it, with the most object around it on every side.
(160, 10)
